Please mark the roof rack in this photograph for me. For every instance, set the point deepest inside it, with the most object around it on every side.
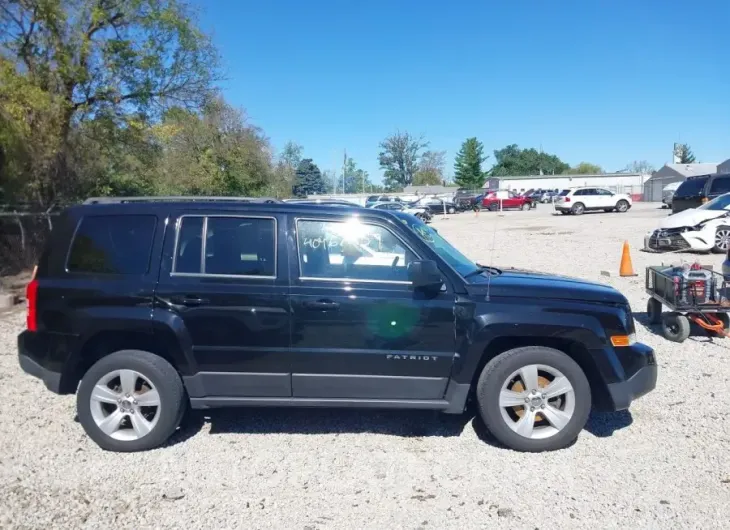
(120, 200)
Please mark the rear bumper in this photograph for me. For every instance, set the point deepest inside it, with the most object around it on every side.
(641, 382)
(31, 363)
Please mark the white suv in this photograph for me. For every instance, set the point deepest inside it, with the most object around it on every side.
(580, 200)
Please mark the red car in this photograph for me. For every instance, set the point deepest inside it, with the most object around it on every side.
(505, 200)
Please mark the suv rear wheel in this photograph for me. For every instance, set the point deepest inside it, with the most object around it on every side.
(578, 208)
(534, 399)
(130, 400)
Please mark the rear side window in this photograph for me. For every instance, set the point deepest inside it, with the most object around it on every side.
(234, 246)
(112, 244)
(691, 187)
(564, 193)
(720, 185)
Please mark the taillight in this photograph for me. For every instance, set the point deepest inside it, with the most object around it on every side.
(566, 199)
(31, 295)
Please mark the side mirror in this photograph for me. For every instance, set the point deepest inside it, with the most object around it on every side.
(425, 274)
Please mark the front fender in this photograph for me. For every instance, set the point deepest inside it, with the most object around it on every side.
(581, 324)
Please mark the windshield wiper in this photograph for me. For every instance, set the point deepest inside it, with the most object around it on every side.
(481, 269)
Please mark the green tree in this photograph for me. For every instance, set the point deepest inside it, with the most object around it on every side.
(468, 164)
(112, 62)
(586, 168)
(309, 180)
(511, 160)
(684, 154)
(285, 171)
(356, 179)
(399, 157)
(430, 169)
(215, 152)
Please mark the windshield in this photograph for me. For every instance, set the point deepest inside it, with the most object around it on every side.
(438, 244)
(718, 203)
(691, 187)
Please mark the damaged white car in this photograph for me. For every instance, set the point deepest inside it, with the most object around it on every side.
(706, 228)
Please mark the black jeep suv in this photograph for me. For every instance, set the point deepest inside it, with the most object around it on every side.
(143, 307)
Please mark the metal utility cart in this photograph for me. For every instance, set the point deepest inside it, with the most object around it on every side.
(697, 295)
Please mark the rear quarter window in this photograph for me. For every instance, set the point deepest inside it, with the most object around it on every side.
(112, 244)
(691, 187)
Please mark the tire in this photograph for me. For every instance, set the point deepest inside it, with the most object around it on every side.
(451, 210)
(493, 207)
(622, 206)
(654, 311)
(500, 421)
(675, 327)
(148, 367)
(722, 239)
(526, 207)
(578, 208)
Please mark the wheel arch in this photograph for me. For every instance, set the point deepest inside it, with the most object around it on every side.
(104, 342)
(573, 349)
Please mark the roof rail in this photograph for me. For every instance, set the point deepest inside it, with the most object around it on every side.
(120, 200)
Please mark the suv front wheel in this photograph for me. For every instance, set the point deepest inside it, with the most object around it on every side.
(534, 399)
(130, 400)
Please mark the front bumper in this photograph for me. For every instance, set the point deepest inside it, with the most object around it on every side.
(31, 361)
(674, 239)
(640, 382)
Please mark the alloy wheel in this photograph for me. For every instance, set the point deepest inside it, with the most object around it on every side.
(125, 405)
(537, 401)
(722, 239)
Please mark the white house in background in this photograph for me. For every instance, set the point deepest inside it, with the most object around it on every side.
(671, 173)
(630, 183)
(724, 167)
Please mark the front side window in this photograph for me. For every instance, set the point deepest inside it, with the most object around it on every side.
(234, 246)
(112, 244)
(351, 250)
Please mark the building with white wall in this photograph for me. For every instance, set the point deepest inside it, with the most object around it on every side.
(631, 183)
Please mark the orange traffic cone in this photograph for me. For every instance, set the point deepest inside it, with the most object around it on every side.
(626, 268)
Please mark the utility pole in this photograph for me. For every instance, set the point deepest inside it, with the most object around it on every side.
(344, 165)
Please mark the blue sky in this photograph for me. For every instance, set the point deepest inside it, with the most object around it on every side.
(606, 82)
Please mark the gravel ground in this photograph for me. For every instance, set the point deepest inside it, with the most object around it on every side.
(664, 464)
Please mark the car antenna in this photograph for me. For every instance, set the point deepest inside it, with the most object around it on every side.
(491, 254)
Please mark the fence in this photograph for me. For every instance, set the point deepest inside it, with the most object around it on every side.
(23, 234)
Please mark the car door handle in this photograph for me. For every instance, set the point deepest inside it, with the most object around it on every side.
(188, 300)
(322, 305)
